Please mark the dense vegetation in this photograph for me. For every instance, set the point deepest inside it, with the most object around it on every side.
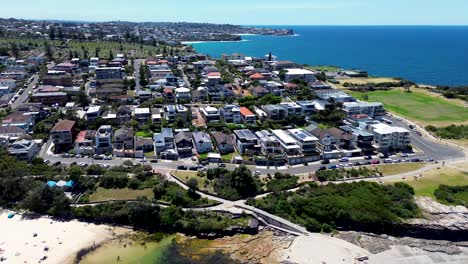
(143, 214)
(281, 182)
(459, 92)
(333, 175)
(236, 184)
(360, 206)
(450, 132)
(454, 195)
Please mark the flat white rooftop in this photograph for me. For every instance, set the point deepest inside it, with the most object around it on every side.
(386, 129)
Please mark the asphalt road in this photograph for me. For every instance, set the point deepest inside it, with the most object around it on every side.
(24, 96)
(436, 150)
(136, 68)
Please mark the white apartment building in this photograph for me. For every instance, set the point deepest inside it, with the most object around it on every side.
(390, 137)
(375, 109)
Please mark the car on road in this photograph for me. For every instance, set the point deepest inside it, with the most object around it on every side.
(193, 168)
(57, 163)
(430, 159)
(419, 133)
(105, 166)
(344, 159)
(82, 164)
(182, 167)
(369, 157)
(325, 161)
(404, 155)
(332, 167)
(154, 161)
(357, 163)
(375, 161)
(66, 155)
(107, 157)
(222, 165)
(46, 162)
(411, 126)
(78, 156)
(322, 168)
(388, 161)
(97, 157)
(257, 173)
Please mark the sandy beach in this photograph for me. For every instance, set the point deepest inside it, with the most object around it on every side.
(321, 248)
(25, 240)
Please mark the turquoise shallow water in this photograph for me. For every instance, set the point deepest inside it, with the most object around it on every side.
(435, 55)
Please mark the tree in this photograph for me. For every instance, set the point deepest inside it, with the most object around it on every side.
(52, 33)
(144, 215)
(111, 54)
(14, 49)
(60, 33)
(75, 173)
(82, 99)
(192, 183)
(321, 76)
(47, 200)
(48, 50)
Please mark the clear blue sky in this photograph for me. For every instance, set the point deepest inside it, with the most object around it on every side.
(248, 12)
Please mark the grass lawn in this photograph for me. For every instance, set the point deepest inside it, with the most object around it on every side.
(418, 106)
(392, 169)
(102, 194)
(203, 156)
(149, 154)
(144, 134)
(323, 68)
(431, 180)
(227, 157)
(186, 175)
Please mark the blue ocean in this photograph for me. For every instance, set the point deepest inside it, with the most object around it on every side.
(436, 55)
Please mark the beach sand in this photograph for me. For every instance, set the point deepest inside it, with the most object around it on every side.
(63, 239)
(321, 248)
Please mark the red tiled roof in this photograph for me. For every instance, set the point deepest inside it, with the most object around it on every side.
(63, 125)
(81, 136)
(214, 74)
(245, 111)
(256, 76)
(167, 90)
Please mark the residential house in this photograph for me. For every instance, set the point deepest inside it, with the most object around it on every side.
(93, 112)
(292, 108)
(247, 116)
(211, 114)
(259, 91)
(56, 79)
(183, 94)
(289, 145)
(52, 98)
(202, 142)
(306, 141)
(164, 141)
(334, 143)
(364, 139)
(103, 140)
(23, 149)
(270, 145)
(63, 135)
(108, 73)
(25, 122)
(142, 146)
(275, 112)
(224, 142)
(124, 142)
(142, 115)
(144, 96)
(231, 114)
(124, 114)
(184, 144)
(11, 133)
(84, 142)
(246, 141)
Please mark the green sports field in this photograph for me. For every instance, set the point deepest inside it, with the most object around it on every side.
(418, 106)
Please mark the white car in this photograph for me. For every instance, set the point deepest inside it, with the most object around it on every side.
(257, 173)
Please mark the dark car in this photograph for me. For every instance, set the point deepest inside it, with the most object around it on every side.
(46, 162)
(325, 161)
(357, 163)
(57, 163)
(154, 161)
(322, 168)
(332, 167)
(369, 157)
(181, 167)
(222, 165)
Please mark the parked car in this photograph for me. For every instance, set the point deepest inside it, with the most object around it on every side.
(357, 163)
(82, 164)
(222, 165)
(344, 159)
(325, 161)
(154, 161)
(375, 161)
(388, 161)
(107, 157)
(193, 168)
(57, 163)
(322, 168)
(332, 167)
(369, 157)
(181, 167)
(46, 162)
(430, 159)
(98, 157)
(66, 155)
(404, 155)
